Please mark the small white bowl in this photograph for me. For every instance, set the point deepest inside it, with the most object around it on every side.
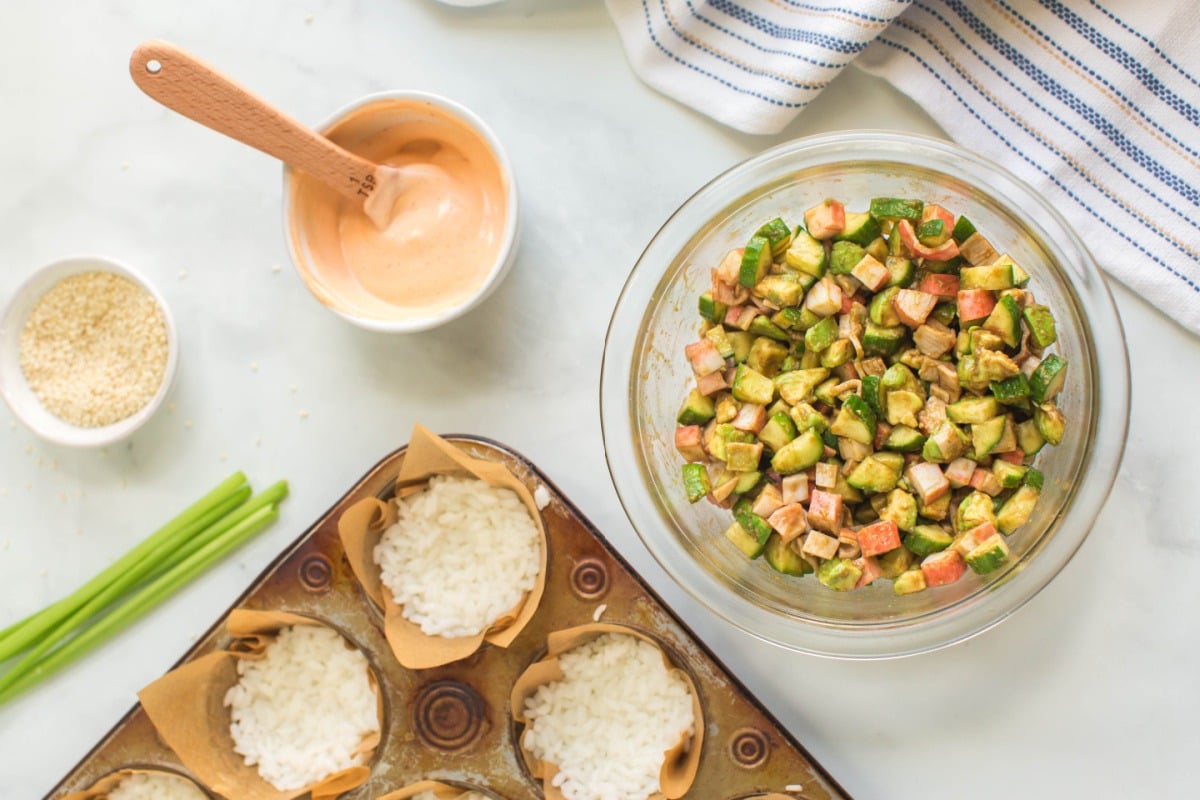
(15, 389)
(303, 261)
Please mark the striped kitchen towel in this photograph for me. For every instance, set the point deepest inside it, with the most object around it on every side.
(1095, 103)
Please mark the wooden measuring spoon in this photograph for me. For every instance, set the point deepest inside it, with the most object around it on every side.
(184, 83)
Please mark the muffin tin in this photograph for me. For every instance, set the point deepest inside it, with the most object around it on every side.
(452, 723)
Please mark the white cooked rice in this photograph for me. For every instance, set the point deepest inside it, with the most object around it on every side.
(299, 712)
(429, 795)
(156, 786)
(609, 722)
(461, 554)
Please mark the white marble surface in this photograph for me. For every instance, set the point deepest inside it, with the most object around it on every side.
(1089, 691)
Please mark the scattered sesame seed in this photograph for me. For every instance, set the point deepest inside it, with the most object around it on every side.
(308, 20)
(541, 497)
(599, 612)
(28, 449)
(43, 573)
(275, 268)
(254, 366)
(224, 456)
(293, 389)
(124, 483)
(257, 441)
(125, 165)
(303, 414)
(182, 274)
(79, 531)
(171, 407)
(187, 424)
(6, 545)
(62, 497)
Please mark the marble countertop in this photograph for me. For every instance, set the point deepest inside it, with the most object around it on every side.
(1088, 691)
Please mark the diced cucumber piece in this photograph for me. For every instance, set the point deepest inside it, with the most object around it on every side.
(806, 417)
(893, 461)
(1005, 321)
(942, 267)
(695, 482)
(872, 394)
(973, 410)
(945, 313)
(856, 420)
(1048, 379)
(988, 555)
(752, 523)
(839, 574)
(751, 386)
(712, 310)
(904, 439)
(838, 353)
(1041, 325)
(797, 386)
(782, 290)
(902, 271)
(926, 539)
(1011, 391)
(762, 326)
(756, 261)
(860, 228)
(697, 409)
(932, 232)
(882, 310)
(821, 335)
(900, 377)
(1009, 475)
(799, 454)
(1020, 276)
(720, 340)
(991, 276)
(806, 254)
(779, 430)
(873, 475)
(963, 228)
(1017, 509)
(844, 256)
(741, 341)
(986, 435)
(1035, 479)
(795, 319)
(766, 356)
(909, 582)
(896, 208)
(883, 341)
(1050, 422)
(745, 541)
(747, 481)
(778, 234)
(783, 558)
(1029, 438)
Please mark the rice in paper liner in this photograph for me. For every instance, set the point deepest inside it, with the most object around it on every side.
(187, 708)
(101, 788)
(362, 524)
(441, 791)
(680, 763)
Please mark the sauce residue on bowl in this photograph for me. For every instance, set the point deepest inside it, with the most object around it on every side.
(446, 229)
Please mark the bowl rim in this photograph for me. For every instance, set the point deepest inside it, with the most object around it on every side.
(62, 432)
(888, 639)
(508, 248)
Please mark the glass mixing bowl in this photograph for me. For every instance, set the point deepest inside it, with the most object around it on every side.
(645, 377)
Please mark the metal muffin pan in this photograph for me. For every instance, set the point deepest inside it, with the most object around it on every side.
(452, 723)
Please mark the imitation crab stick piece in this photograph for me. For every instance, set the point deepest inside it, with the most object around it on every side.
(688, 443)
(914, 307)
(943, 252)
(975, 304)
(928, 481)
(704, 358)
(940, 285)
(825, 220)
(879, 537)
(790, 521)
(870, 570)
(712, 383)
(943, 567)
(825, 511)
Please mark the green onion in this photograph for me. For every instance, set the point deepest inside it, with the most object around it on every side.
(211, 534)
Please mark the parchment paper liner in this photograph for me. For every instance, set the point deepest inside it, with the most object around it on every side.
(100, 789)
(362, 524)
(186, 707)
(440, 790)
(679, 764)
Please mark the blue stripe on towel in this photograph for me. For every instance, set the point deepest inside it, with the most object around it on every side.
(1064, 95)
(1147, 40)
(834, 43)
(850, 12)
(1025, 157)
(744, 40)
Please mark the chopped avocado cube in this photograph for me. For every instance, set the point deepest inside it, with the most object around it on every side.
(762, 326)
(873, 475)
(938, 509)
(797, 386)
(779, 430)
(806, 417)
(855, 420)
(766, 356)
(896, 208)
(988, 555)
(743, 456)
(926, 539)
(824, 391)
(697, 409)
(898, 376)
(992, 276)
(795, 319)
(783, 558)
(838, 353)
(1009, 475)
(806, 255)
(695, 481)
(778, 234)
(894, 562)
(909, 582)
(839, 574)
(710, 309)
(799, 454)
(878, 249)
(903, 407)
(973, 410)
(860, 228)
(882, 310)
(821, 335)
(894, 461)
(1011, 391)
(903, 439)
(844, 256)
(756, 261)
(741, 341)
(1048, 379)
(901, 509)
(975, 509)
(782, 290)
(1050, 422)
(1041, 325)
(1005, 321)
(751, 386)
(980, 339)
(720, 340)
(745, 541)
(1017, 509)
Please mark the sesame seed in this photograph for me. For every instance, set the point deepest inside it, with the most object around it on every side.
(303, 414)
(94, 349)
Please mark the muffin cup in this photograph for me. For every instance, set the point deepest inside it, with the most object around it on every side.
(363, 523)
(680, 763)
(101, 788)
(441, 791)
(186, 707)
